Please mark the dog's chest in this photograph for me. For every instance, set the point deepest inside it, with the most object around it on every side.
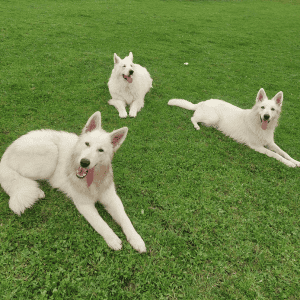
(127, 92)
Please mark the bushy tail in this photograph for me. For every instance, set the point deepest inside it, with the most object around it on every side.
(23, 192)
(183, 103)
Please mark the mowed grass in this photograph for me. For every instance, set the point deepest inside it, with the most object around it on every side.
(220, 221)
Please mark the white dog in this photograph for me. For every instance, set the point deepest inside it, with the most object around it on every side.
(253, 127)
(128, 84)
(78, 166)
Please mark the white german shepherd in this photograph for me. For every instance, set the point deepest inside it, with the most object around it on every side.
(253, 127)
(78, 166)
(128, 84)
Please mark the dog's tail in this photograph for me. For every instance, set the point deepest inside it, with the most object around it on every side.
(23, 192)
(183, 103)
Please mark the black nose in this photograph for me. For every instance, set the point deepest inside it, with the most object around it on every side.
(130, 72)
(84, 163)
(266, 117)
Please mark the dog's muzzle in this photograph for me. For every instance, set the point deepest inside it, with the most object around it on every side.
(82, 171)
(128, 77)
(265, 121)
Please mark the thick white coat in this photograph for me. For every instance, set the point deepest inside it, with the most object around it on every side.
(58, 156)
(128, 85)
(254, 127)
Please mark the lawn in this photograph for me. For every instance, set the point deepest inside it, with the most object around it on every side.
(220, 221)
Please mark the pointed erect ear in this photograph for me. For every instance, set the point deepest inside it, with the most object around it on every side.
(261, 95)
(117, 137)
(278, 98)
(130, 56)
(116, 58)
(94, 122)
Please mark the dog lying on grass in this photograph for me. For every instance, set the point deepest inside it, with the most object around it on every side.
(128, 84)
(80, 166)
(254, 127)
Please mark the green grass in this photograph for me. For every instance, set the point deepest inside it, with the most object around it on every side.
(220, 221)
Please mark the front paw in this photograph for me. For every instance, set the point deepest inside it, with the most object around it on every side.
(123, 114)
(138, 244)
(114, 242)
(290, 164)
(132, 114)
(297, 163)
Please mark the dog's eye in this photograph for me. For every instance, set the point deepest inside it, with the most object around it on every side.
(88, 144)
(131, 66)
(272, 108)
(262, 107)
(100, 150)
(124, 66)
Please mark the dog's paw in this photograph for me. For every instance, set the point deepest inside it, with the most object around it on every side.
(194, 121)
(123, 114)
(138, 244)
(290, 164)
(132, 114)
(16, 205)
(114, 243)
(41, 194)
(297, 163)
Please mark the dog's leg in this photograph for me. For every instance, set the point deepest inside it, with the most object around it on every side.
(25, 161)
(23, 192)
(273, 154)
(204, 114)
(135, 107)
(114, 206)
(120, 106)
(275, 148)
(91, 214)
(195, 121)
(25, 196)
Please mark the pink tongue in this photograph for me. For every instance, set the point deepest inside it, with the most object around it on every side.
(90, 177)
(264, 125)
(129, 79)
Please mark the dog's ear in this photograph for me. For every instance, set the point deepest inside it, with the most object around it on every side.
(94, 122)
(117, 137)
(116, 58)
(278, 98)
(261, 95)
(130, 56)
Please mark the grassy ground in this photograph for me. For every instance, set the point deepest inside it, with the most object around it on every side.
(220, 221)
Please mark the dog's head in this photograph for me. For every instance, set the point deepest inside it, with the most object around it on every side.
(125, 67)
(268, 110)
(95, 148)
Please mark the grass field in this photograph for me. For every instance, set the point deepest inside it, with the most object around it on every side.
(220, 221)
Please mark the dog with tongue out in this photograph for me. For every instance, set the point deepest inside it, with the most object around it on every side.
(254, 127)
(128, 85)
(79, 166)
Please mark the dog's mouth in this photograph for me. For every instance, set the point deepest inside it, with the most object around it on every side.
(85, 172)
(128, 78)
(264, 123)
(81, 172)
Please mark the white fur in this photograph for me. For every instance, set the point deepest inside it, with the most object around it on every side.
(253, 127)
(130, 90)
(58, 156)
